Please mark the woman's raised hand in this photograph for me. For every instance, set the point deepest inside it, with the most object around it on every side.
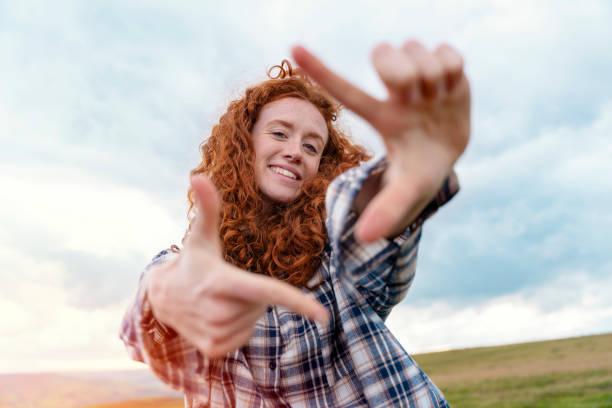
(424, 124)
(212, 304)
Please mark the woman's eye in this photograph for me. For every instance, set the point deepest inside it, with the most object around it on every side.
(310, 148)
(279, 134)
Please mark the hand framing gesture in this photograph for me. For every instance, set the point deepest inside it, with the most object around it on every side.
(211, 303)
(424, 124)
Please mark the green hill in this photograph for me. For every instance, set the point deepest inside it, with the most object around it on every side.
(574, 372)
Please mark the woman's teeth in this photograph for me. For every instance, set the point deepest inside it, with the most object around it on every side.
(283, 172)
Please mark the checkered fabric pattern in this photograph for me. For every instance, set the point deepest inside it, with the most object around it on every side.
(290, 361)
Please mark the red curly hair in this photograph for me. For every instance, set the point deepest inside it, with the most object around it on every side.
(283, 240)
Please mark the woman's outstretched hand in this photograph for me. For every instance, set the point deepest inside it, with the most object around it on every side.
(212, 304)
(424, 124)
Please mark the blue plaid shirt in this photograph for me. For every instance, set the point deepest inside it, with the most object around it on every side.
(290, 361)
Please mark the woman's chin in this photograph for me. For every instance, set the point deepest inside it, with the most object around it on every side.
(281, 196)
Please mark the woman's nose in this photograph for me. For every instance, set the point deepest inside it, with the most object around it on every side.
(293, 151)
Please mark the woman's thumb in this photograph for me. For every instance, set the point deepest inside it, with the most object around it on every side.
(207, 209)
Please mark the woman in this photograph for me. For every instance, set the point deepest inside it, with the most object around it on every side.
(279, 295)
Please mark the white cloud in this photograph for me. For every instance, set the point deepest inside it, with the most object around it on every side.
(49, 213)
(523, 316)
(60, 337)
(84, 213)
(42, 331)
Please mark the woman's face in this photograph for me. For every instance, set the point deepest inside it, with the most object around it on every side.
(289, 137)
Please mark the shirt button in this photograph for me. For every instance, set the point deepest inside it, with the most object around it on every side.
(272, 365)
(270, 309)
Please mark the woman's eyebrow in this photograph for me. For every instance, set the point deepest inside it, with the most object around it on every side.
(281, 122)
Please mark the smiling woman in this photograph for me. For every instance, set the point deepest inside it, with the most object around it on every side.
(288, 139)
(295, 254)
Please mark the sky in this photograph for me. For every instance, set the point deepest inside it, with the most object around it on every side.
(103, 105)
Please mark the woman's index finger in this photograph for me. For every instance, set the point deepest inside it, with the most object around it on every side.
(271, 291)
(346, 93)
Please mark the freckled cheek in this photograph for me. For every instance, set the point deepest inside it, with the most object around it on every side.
(314, 169)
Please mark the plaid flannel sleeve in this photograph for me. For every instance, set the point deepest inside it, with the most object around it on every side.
(170, 357)
(382, 270)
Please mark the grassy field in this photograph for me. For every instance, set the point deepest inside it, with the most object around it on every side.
(568, 373)
(575, 372)
(145, 403)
